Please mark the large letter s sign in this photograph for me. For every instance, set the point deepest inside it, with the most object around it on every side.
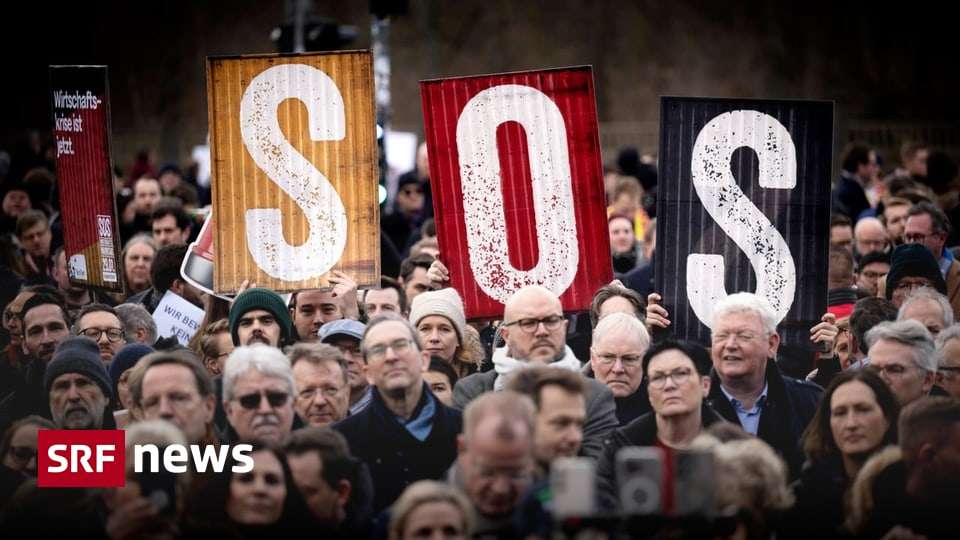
(733, 211)
(296, 176)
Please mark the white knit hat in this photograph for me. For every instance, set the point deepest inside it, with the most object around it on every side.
(444, 302)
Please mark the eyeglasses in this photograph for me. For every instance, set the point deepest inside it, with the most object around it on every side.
(399, 346)
(530, 325)
(627, 360)
(275, 399)
(737, 336)
(916, 238)
(893, 371)
(903, 285)
(678, 376)
(23, 454)
(113, 334)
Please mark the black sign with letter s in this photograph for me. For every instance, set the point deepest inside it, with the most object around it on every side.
(743, 205)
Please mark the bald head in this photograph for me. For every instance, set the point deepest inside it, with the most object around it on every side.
(534, 327)
(869, 235)
(527, 295)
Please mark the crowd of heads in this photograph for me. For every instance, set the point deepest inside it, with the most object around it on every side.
(384, 410)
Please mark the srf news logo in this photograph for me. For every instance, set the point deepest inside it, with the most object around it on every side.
(97, 458)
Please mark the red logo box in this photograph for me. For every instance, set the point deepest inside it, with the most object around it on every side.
(81, 458)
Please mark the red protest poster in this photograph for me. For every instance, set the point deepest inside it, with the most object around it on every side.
(518, 185)
(80, 103)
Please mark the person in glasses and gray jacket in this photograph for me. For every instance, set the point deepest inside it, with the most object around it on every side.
(258, 394)
(534, 329)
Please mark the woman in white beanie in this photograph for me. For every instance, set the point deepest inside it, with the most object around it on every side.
(439, 319)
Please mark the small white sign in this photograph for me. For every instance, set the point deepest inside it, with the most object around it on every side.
(177, 317)
(77, 268)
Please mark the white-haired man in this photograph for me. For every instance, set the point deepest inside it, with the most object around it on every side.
(929, 308)
(902, 354)
(535, 331)
(746, 386)
(948, 360)
(258, 394)
(616, 358)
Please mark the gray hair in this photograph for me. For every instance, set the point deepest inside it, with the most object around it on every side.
(140, 238)
(259, 357)
(931, 294)
(744, 301)
(621, 322)
(910, 333)
(133, 317)
(316, 354)
(948, 333)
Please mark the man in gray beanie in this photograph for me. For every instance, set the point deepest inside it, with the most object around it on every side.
(78, 385)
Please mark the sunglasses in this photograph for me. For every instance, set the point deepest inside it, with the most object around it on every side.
(252, 401)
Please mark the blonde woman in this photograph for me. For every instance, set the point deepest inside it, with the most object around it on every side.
(427, 508)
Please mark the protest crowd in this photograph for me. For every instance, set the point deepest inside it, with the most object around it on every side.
(384, 412)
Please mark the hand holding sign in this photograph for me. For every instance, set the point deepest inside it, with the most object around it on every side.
(656, 315)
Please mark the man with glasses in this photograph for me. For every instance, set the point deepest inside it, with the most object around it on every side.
(345, 335)
(902, 354)
(911, 266)
(929, 308)
(258, 394)
(948, 360)
(405, 434)
(495, 465)
(534, 330)
(746, 384)
(871, 269)
(100, 323)
(321, 383)
(929, 225)
(619, 342)
(175, 387)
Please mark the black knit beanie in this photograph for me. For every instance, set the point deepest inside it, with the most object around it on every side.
(78, 354)
(260, 298)
(914, 260)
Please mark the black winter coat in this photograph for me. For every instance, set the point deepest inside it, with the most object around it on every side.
(396, 458)
(789, 407)
(640, 432)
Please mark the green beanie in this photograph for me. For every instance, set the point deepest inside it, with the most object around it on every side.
(260, 298)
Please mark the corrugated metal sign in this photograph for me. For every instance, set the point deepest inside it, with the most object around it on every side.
(80, 101)
(743, 204)
(294, 163)
(517, 185)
